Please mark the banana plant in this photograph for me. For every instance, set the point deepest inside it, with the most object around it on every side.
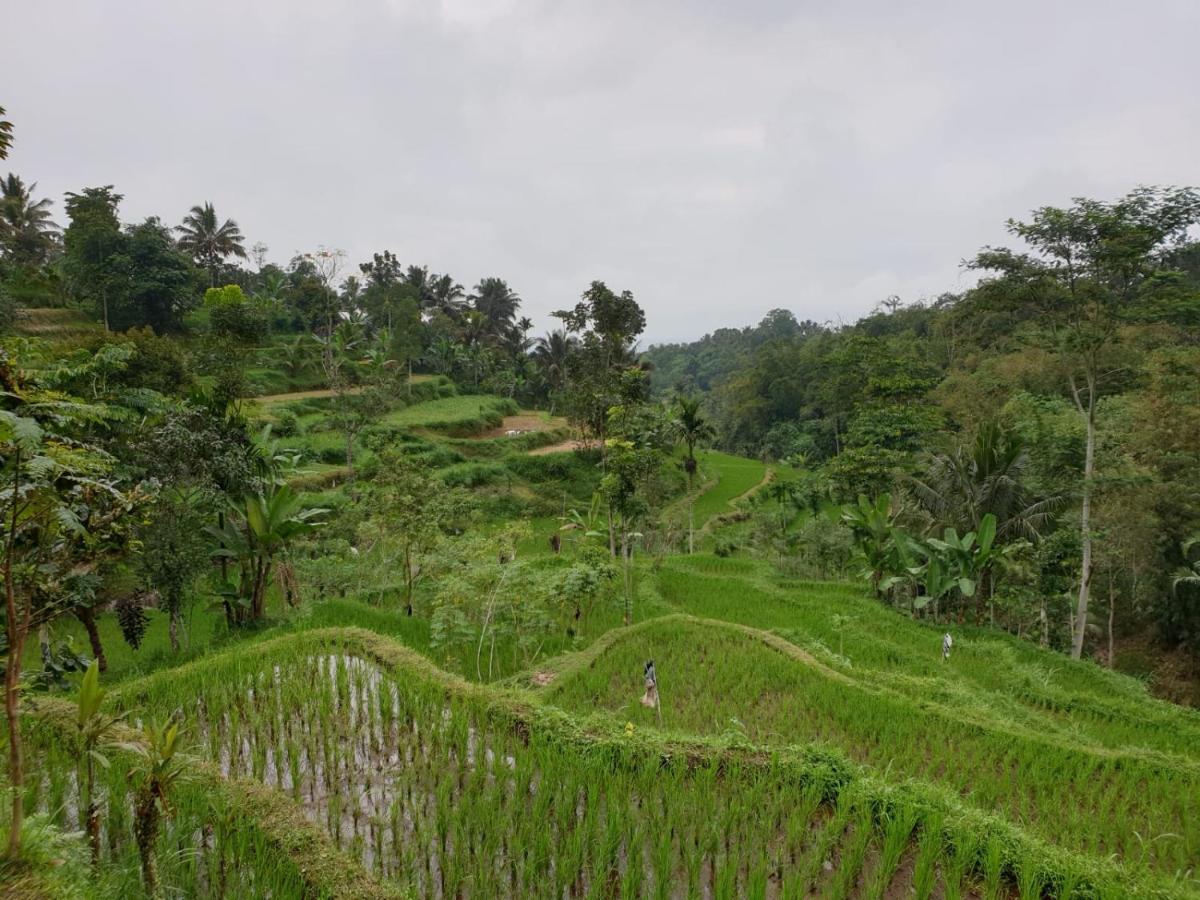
(957, 563)
(881, 544)
(257, 535)
(968, 557)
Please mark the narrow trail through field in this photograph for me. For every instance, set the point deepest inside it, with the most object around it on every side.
(563, 447)
(317, 394)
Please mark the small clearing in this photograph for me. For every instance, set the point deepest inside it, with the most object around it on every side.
(525, 422)
(319, 394)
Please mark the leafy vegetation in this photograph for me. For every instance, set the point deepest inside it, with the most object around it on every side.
(338, 584)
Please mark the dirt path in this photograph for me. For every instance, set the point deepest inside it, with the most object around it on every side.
(268, 399)
(563, 447)
(318, 394)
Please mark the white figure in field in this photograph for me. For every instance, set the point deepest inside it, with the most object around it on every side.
(947, 643)
(650, 698)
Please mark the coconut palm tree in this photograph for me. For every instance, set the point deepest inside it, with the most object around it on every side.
(691, 428)
(209, 240)
(27, 233)
(6, 129)
(498, 303)
(421, 282)
(986, 476)
(447, 295)
(552, 354)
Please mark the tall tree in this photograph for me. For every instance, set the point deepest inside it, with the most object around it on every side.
(157, 288)
(209, 240)
(498, 303)
(447, 295)
(553, 354)
(691, 429)
(92, 242)
(27, 233)
(1092, 268)
(52, 512)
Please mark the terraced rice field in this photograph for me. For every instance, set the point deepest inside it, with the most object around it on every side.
(735, 477)
(811, 743)
(453, 789)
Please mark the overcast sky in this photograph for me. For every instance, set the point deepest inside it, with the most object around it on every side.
(719, 159)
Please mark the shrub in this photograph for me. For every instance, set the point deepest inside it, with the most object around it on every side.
(474, 474)
(158, 363)
(286, 424)
(233, 315)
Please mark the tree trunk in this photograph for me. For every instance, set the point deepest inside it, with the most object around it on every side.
(146, 832)
(1085, 526)
(93, 812)
(16, 630)
(408, 581)
(173, 628)
(87, 616)
(409, 383)
(627, 558)
(44, 645)
(1112, 602)
(691, 506)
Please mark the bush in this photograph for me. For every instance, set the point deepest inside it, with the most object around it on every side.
(334, 456)
(158, 363)
(286, 424)
(474, 474)
(232, 314)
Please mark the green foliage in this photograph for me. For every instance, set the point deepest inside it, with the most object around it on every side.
(233, 315)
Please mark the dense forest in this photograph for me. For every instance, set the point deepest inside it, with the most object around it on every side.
(1062, 395)
(379, 574)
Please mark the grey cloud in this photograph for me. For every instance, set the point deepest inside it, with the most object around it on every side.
(718, 159)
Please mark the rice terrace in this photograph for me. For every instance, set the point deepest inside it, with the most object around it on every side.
(685, 558)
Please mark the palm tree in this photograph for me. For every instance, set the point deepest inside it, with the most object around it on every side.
(447, 295)
(498, 303)
(95, 729)
(1189, 574)
(691, 428)
(418, 278)
(208, 240)
(985, 476)
(160, 766)
(443, 354)
(553, 353)
(521, 334)
(6, 129)
(26, 230)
